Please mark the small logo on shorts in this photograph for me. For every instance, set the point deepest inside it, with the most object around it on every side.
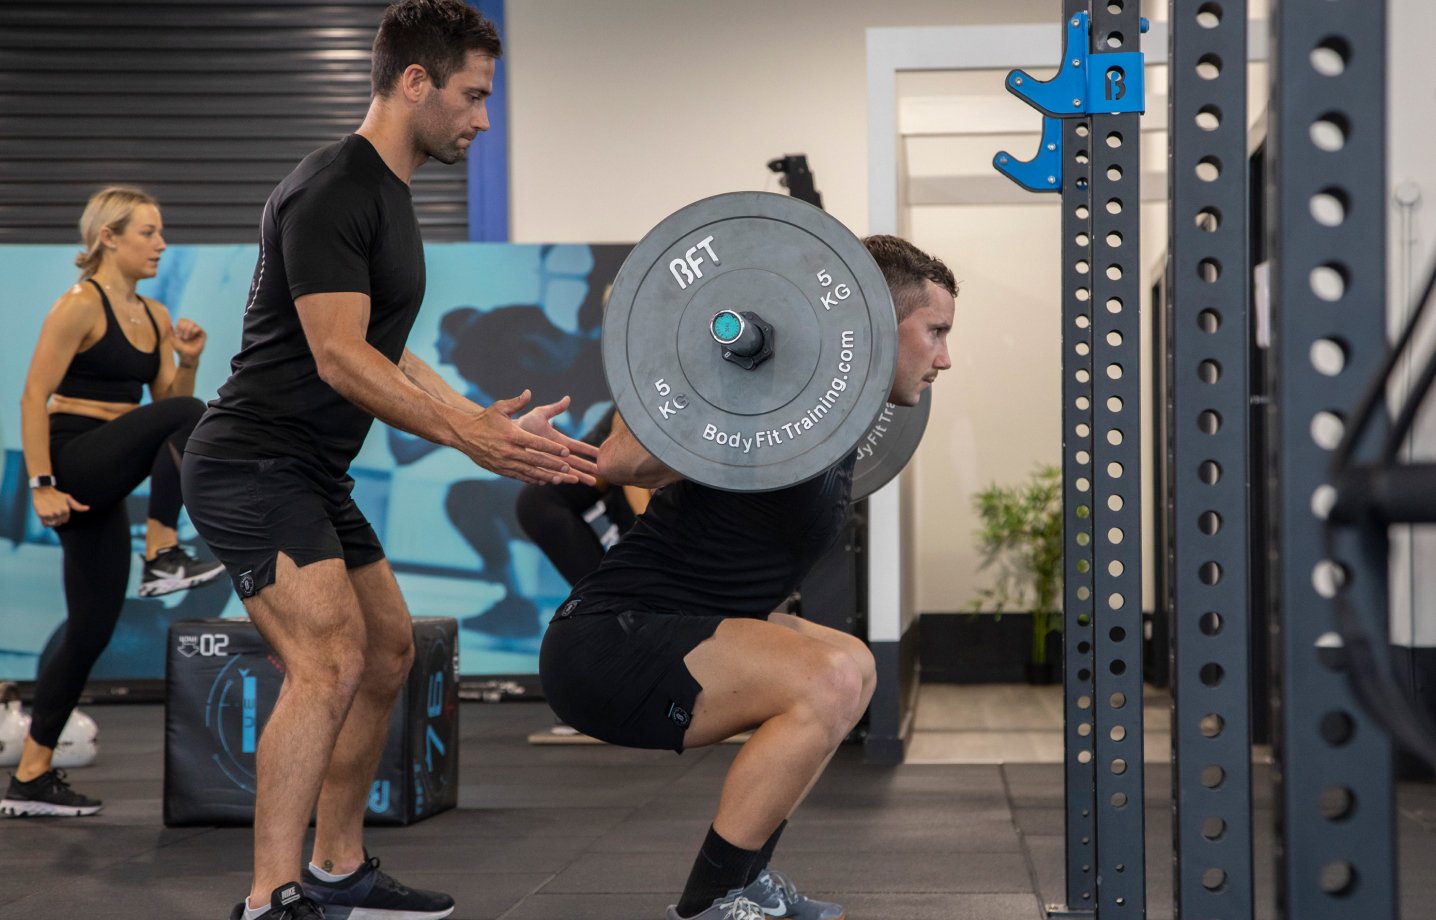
(570, 607)
(246, 584)
(678, 714)
(188, 646)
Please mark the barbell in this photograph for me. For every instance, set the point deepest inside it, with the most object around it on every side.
(750, 343)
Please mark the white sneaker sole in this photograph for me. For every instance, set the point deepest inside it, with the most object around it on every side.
(19, 808)
(369, 913)
(170, 585)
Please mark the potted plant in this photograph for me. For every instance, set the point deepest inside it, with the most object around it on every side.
(1021, 538)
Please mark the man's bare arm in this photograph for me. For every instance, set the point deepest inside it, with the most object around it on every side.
(334, 325)
(625, 462)
(430, 381)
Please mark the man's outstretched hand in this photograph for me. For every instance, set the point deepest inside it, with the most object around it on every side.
(528, 448)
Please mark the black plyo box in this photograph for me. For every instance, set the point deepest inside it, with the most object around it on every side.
(221, 681)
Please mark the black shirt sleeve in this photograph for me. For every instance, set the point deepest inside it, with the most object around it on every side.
(325, 232)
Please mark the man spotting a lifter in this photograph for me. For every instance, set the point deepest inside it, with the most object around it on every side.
(670, 642)
(339, 281)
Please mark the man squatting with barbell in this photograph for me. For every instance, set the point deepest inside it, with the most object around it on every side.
(671, 642)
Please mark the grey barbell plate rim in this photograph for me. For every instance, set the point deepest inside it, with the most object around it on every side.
(799, 412)
(889, 444)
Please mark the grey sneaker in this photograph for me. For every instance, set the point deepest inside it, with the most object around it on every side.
(777, 896)
(732, 906)
(173, 569)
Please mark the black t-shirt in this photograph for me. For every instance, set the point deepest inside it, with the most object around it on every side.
(699, 550)
(340, 222)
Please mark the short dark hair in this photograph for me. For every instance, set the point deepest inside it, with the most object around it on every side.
(906, 269)
(435, 34)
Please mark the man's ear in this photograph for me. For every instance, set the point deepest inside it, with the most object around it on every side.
(414, 82)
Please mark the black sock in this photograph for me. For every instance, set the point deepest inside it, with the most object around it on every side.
(765, 855)
(720, 868)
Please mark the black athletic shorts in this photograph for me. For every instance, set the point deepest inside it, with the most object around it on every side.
(620, 677)
(250, 511)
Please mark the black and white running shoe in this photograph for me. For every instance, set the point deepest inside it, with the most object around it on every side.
(173, 569)
(47, 794)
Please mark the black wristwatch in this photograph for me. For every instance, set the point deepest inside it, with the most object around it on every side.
(42, 482)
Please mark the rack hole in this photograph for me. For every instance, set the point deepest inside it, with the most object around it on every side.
(1209, 118)
(1114, 536)
(1210, 623)
(1114, 305)
(1337, 803)
(1209, 66)
(1210, 522)
(1338, 878)
(1213, 879)
(1326, 430)
(1330, 57)
(1114, 239)
(1114, 404)
(1210, 573)
(1213, 827)
(1329, 281)
(1118, 700)
(1329, 206)
(1337, 728)
(1116, 601)
(1114, 437)
(1114, 272)
(1209, 421)
(1209, 321)
(1118, 733)
(1209, 371)
(1119, 766)
(1209, 219)
(1209, 169)
(1209, 15)
(1114, 206)
(1114, 502)
(1213, 776)
(1330, 131)
(1118, 667)
(1210, 472)
(1115, 568)
(1327, 578)
(1212, 725)
(1328, 356)
(1322, 498)
(1211, 674)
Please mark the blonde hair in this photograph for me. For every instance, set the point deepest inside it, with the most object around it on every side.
(109, 207)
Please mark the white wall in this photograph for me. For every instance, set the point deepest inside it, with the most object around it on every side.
(621, 112)
(1411, 168)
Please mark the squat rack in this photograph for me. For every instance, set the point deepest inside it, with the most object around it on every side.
(1323, 298)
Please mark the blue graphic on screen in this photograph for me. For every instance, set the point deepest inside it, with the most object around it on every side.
(497, 318)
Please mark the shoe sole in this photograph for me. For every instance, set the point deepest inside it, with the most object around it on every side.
(21, 808)
(370, 913)
(170, 585)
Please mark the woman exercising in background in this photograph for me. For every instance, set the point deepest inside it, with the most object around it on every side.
(88, 444)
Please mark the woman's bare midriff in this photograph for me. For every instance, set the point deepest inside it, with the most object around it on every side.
(91, 408)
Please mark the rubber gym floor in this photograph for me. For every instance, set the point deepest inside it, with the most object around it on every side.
(590, 832)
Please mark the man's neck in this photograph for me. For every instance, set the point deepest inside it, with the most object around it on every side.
(390, 135)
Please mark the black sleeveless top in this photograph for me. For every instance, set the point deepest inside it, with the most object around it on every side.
(112, 370)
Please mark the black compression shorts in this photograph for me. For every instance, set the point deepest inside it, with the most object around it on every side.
(620, 677)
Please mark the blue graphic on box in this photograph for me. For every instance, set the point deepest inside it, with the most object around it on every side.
(497, 318)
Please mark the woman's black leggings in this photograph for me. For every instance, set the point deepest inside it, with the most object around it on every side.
(100, 464)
